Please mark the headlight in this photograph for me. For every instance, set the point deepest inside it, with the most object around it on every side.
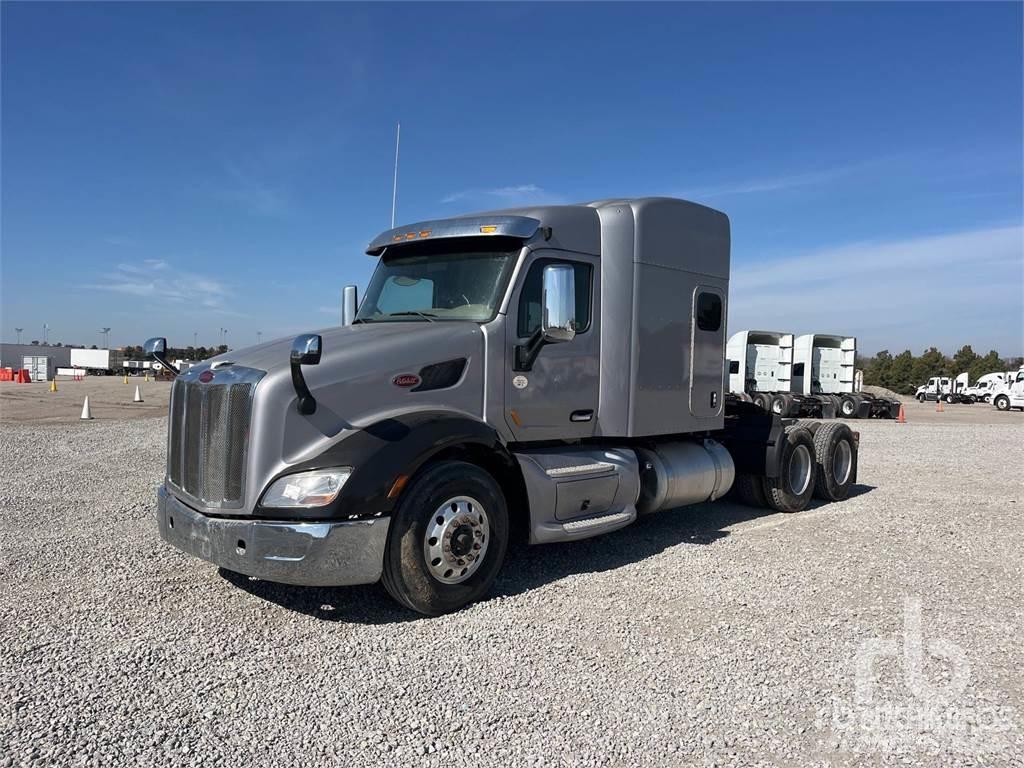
(307, 489)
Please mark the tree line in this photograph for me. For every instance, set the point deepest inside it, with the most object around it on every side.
(905, 372)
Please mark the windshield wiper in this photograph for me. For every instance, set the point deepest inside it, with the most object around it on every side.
(425, 315)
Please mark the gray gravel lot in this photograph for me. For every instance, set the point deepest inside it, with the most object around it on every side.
(716, 635)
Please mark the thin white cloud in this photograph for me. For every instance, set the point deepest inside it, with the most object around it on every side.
(947, 290)
(766, 184)
(508, 194)
(158, 279)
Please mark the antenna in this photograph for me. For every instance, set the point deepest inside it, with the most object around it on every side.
(394, 187)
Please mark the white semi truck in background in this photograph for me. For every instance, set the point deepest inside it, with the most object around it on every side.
(812, 375)
(1010, 394)
(553, 372)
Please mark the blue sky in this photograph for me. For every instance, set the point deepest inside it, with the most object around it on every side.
(184, 168)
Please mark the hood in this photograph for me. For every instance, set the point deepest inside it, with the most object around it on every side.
(355, 382)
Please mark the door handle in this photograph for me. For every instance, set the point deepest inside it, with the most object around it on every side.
(586, 415)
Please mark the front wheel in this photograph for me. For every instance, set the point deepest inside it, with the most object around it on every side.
(447, 540)
(1002, 403)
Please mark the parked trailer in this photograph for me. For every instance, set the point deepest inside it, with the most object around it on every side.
(506, 372)
(761, 370)
(97, 362)
(824, 366)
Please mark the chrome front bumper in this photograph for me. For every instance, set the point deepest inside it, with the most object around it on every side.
(312, 554)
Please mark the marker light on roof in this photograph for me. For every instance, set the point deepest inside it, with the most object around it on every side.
(488, 229)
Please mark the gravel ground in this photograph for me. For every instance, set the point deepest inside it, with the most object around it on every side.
(110, 399)
(715, 635)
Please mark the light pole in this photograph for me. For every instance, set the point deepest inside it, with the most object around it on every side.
(106, 337)
(259, 336)
(46, 333)
(19, 330)
(225, 342)
(195, 337)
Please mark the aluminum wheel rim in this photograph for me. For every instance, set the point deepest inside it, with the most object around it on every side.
(847, 407)
(456, 539)
(842, 462)
(800, 470)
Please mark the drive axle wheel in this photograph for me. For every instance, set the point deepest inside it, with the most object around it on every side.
(749, 490)
(447, 539)
(835, 458)
(1001, 402)
(848, 407)
(791, 491)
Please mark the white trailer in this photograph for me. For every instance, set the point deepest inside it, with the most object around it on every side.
(96, 362)
(824, 367)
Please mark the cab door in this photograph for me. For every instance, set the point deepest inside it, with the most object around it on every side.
(557, 398)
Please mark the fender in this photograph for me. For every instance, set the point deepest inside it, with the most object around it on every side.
(382, 452)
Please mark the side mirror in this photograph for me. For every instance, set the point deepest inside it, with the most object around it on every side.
(558, 304)
(349, 304)
(155, 346)
(157, 349)
(305, 351)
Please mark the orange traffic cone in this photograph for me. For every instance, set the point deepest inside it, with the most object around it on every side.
(902, 418)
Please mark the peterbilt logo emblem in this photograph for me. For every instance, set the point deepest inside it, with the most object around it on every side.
(406, 380)
(206, 377)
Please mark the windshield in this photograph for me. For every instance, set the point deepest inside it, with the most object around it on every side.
(442, 281)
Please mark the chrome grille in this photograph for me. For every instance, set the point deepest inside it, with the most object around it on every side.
(209, 434)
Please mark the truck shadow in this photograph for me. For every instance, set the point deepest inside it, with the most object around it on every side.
(527, 568)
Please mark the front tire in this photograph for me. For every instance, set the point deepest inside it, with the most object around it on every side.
(1001, 402)
(447, 539)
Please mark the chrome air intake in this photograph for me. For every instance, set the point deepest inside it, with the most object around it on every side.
(208, 435)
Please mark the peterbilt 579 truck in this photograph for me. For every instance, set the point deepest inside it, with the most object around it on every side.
(552, 372)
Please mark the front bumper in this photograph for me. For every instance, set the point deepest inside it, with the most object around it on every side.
(324, 554)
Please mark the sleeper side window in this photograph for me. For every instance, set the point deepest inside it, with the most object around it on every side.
(530, 297)
(709, 311)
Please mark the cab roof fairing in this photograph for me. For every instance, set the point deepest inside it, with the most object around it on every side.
(521, 227)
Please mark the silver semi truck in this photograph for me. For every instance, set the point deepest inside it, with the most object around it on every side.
(550, 372)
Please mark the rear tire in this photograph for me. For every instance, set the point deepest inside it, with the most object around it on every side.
(450, 507)
(835, 459)
(1001, 402)
(764, 401)
(791, 491)
(748, 489)
(848, 407)
(782, 405)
